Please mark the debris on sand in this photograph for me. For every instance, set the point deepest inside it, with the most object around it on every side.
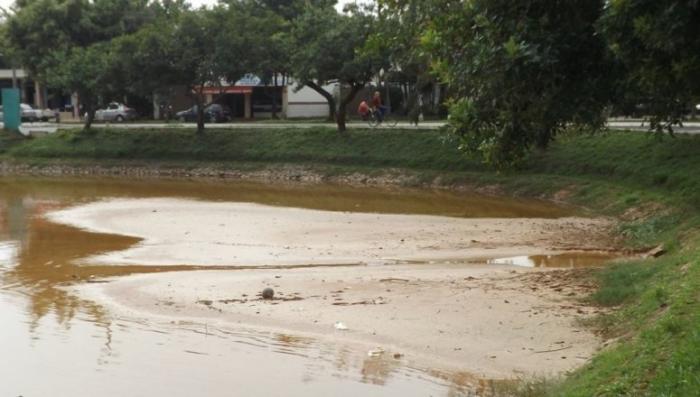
(340, 326)
(268, 293)
(375, 352)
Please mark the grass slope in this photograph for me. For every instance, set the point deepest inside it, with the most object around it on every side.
(321, 145)
(652, 184)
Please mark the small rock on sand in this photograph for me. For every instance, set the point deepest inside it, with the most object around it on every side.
(268, 293)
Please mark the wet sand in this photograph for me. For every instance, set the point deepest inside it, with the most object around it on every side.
(492, 323)
(198, 233)
(428, 302)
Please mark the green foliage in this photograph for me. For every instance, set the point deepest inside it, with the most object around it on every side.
(88, 71)
(68, 44)
(646, 232)
(657, 45)
(196, 49)
(397, 38)
(40, 28)
(631, 158)
(623, 282)
(659, 354)
(398, 148)
(519, 72)
(327, 46)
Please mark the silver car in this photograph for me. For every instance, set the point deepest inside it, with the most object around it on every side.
(115, 112)
(29, 113)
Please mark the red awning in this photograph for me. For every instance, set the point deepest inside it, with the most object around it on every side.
(233, 89)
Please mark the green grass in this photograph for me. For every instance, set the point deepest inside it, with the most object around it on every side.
(665, 164)
(367, 148)
(652, 185)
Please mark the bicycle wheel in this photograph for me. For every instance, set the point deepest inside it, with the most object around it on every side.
(372, 120)
(390, 120)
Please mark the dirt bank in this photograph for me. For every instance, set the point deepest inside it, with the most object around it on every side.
(496, 321)
(246, 172)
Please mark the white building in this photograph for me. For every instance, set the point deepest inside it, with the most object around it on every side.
(249, 98)
(307, 103)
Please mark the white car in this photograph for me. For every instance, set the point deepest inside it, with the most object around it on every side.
(117, 112)
(30, 114)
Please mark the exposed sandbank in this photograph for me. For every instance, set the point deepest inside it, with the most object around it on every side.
(188, 232)
(494, 321)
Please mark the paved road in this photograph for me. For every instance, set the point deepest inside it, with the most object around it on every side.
(264, 125)
(636, 125)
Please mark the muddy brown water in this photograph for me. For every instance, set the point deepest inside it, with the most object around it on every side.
(54, 343)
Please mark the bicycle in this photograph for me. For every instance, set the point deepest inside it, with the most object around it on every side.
(374, 119)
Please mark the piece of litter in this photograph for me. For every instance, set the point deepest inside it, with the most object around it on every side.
(340, 326)
(376, 352)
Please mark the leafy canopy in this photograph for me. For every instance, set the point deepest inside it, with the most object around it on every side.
(657, 45)
(519, 72)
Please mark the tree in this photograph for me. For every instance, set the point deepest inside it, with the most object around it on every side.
(327, 48)
(90, 72)
(400, 25)
(67, 43)
(519, 72)
(198, 49)
(269, 26)
(657, 45)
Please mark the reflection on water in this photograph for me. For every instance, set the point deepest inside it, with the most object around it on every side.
(130, 358)
(73, 344)
(9, 251)
(568, 260)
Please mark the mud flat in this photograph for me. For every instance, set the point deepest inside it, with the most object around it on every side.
(410, 288)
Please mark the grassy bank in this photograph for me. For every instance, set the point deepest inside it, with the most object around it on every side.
(322, 145)
(652, 186)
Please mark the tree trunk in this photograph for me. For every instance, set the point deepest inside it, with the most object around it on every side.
(344, 102)
(327, 95)
(199, 101)
(274, 98)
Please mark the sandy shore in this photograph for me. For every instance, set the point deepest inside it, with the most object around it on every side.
(187, 232)
(494, 321)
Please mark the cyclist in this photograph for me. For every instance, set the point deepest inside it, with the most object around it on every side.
(378, 107)
(363, 110)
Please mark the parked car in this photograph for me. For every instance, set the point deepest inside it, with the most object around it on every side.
(115, 111)
(30, 114)
(213, 113)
